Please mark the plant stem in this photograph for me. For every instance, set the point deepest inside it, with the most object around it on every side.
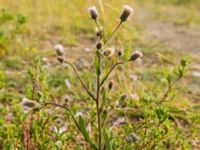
(61, 106)
(114, 32)
(84, 86)
(170, 86)
(97, 25)
(107, 75)
(97, 105)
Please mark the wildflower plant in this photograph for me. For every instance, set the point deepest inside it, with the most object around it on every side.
(156, 125)
(98, 96)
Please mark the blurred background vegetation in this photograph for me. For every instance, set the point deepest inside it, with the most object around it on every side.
(164, 30)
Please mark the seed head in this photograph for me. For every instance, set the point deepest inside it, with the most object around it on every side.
(60, 59)
(99, 45)
(59, 50)
(136, 55)
(109, 52)
(93, 12)
(126, 13)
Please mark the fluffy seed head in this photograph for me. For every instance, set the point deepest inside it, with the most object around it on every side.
(93, 12)
(126, 13)
(28, 103)
(59, 50)
(109, 52)
(136, 55)
(60, 59)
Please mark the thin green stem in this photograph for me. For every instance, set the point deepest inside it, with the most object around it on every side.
(116, 29)
(84, 86)
(170, 86)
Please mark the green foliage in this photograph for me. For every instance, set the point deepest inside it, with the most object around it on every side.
(153, 114)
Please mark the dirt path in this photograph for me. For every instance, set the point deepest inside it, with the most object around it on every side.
(180, 37)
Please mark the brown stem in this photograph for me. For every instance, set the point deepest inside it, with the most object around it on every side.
(61, 106)
(97, 105)
(169, 89)
(35, 84)
(114, 32)
(84, 86)
(107, 75)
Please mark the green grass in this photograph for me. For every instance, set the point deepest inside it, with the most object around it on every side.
(30, 29)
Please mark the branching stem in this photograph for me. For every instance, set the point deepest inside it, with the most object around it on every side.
(112, 68)
(67, 109)
(116, 29)
(84, 86)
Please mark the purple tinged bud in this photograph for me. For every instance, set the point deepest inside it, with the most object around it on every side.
(93, 12)
(136, 55)
(126, 13)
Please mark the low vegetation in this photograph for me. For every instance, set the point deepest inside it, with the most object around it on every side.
(97, 90)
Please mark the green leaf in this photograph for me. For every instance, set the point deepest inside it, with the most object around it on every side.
(85, 133)
(97, 65)
(108, 140)
(83, 129)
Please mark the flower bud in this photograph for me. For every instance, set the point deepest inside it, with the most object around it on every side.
(28, 103)
(110, 85)
(120, 52)
(126, 13)
(109, 52)
(123, 97)
(59, 50)
(136, 55)
(99, 45)
(93, 12)
(67, 99)
(60, 59)
(99, 32)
